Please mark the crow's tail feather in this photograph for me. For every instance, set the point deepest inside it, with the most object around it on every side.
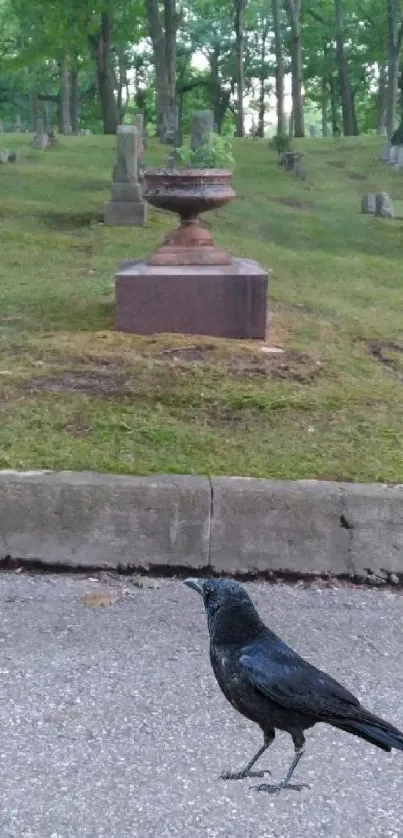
(376, 731)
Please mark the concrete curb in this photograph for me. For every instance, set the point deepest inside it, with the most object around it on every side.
(228, 525)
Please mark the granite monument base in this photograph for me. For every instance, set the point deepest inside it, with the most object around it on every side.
(228, 301)
(125, 214)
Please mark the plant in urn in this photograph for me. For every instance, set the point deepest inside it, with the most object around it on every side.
(195, 181)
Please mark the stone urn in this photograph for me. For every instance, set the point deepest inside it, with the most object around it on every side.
(188, 192)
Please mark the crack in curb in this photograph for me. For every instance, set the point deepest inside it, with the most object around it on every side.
(210, 522)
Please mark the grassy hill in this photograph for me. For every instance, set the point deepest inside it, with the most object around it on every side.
(74, 394)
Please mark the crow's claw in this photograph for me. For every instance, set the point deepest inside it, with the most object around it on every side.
(275, 789)
(242, 775)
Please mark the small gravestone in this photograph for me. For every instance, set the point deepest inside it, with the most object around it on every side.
(386, 153)
(171, 125)
(52, 136)
(126, 207)
(394, 154)
(4, 153)
(368, 204)
(383, 206)
(202, 128)
(312, 130)
(41, 139)
(290, 160)
(17, 124)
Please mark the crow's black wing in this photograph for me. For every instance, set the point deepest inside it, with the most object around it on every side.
(294, 684)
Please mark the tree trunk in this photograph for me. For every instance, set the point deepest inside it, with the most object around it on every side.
(74, 101)
(262, 82)
(324, 106)
(278, 47)
(64, 83)
(163, 38)
(334, 104)
(382, 99)
(325, 90)
(395, 35)
(101, 48)
(33, 108)
(293, 8)
(261, 107)
(342, 66)
(239, 26)
(219, 98)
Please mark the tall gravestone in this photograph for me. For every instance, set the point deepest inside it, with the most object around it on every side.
(368, 203)
(41, 139)
(386, 152)
(202, 128)
(126, 207)
(138, 122)
(171, 125)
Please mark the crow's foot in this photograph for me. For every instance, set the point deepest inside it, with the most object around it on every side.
(241, 775)
(275, 789)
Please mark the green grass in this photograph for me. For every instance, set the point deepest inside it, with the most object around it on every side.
(74, 394)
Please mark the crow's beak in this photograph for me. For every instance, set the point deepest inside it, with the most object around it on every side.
(196, 584)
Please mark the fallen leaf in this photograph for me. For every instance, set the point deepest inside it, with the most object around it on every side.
(99, 600)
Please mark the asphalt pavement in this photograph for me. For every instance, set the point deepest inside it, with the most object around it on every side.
(112, 724)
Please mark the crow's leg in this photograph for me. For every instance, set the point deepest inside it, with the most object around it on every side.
(246, 772)
(299, 745)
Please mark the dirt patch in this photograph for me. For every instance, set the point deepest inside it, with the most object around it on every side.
(291, 366)
(92, 185)
(101, 382)
(194, 354)
(389, 354)
(70, 221)
(78, 430)
(356, 176)
(295, 203)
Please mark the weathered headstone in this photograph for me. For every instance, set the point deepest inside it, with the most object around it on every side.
(4, 152)
(138, 122)
(383, 206)
(171, 125)
(386, 153)
(399, 157)
(394, 154)
(126, 207)
(202, 128)
(41, 139)
(312, 130)
(52, 136)
(289, 160)
(368, 203)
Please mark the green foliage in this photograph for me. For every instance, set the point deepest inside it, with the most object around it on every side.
(280, 143)
(214, 153)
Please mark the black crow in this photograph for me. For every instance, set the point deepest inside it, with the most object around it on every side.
(269, 683)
